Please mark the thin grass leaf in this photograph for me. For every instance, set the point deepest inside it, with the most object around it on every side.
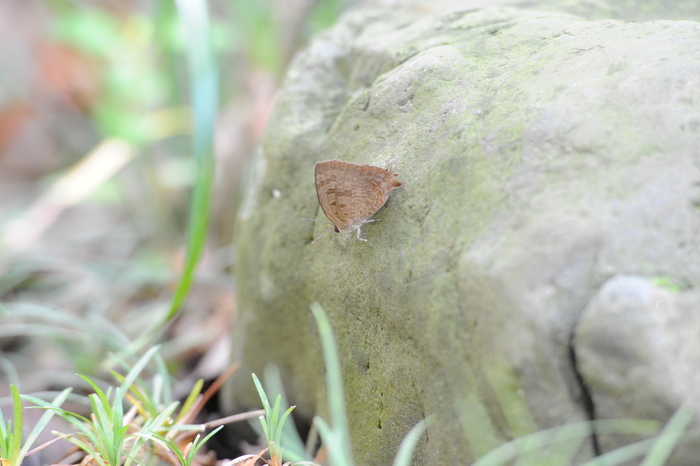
(622, 455)
(170, 445)
(74, 418)
(43, 421)
(187, 427)
(273, 426)
(408, 444)
(262, 394)
(41, 330)
(191, 399)
(199, 443)
(333, 443)
(204, 95)
(166, 443)
(341, 452)
(101, 420)
(85, 446)
(16, 446)
(510, 451)
(5, 432)
(156, 390)
(54, 324)
(669, 437)
(104, 399)
(137, 368)
(139, 397)
(283, 419)
(166, 393)
(99, 432)
(106, 431)
(294, 448)
(266, 430)
(142, 437)
(11, 432)
(133, 387)
(163, 421)
(563, 448)
(132, 455)
(324, 430)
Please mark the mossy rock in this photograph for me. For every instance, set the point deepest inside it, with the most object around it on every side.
(543, 156)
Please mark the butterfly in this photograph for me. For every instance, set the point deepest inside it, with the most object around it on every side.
(349, 194)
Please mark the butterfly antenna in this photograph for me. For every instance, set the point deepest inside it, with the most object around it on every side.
(317, 221)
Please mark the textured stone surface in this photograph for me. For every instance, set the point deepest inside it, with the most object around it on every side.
(540, 155)
(638, 350)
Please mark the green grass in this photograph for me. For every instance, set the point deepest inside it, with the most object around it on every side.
(204, 86)
(12, 448)
(273, 427)
(153, 427)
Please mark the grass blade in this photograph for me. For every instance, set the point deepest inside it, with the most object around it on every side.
(342, 450)
(408, 444)
(204, 96)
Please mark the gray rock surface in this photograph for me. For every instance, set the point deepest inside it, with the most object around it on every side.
(638, 350)
(541, 155)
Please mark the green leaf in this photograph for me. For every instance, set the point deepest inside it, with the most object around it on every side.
(408, 444)
(341, 450)
(204, 95)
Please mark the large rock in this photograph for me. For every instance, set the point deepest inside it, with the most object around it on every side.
(638, 350)
(542, 156)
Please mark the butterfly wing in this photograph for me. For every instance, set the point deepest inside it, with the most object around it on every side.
(350, 193)
(371, 190)
(326, 177)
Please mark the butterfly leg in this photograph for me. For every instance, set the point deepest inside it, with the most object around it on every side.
(329, 230)
(363, 239)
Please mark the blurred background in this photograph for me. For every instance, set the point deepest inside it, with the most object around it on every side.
(97, 170)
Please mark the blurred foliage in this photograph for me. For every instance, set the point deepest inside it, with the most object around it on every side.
(137, 54)
(130, 80)
(97, 245)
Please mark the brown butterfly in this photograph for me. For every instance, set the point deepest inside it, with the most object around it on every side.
(350, 194)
